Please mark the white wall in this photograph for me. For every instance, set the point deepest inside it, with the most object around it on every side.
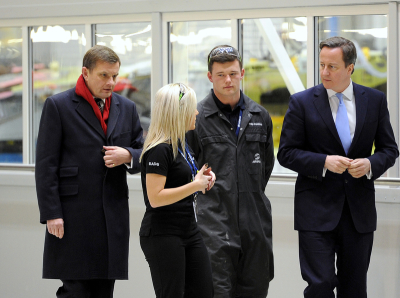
(22, 236)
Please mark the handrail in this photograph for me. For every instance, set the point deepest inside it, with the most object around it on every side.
(16, 167)
(292, 178)
(274, 177)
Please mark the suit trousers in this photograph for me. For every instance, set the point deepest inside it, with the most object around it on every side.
(92, 288)
(179, 265)
(317, 252)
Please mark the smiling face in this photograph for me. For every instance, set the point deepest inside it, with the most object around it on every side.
(334, 73)
(226, 79)
(101, 79)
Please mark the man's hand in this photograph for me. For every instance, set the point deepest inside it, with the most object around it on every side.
(359, 167)
(56, 227)
(115, 156)
(337, 164)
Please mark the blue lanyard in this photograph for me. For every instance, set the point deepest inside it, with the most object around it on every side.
(190, 162)
(239, 121)
(194, 170)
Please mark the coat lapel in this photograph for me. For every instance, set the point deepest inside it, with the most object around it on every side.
(321, 103)
(361, 111)
(85, 110)
(113, 116)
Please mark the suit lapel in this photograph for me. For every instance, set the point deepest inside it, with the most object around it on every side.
(321, 103)
(85, 110)
(113, 116)
(361, 112)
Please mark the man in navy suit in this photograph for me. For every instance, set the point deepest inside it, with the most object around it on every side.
(89, 137)
(327, 137)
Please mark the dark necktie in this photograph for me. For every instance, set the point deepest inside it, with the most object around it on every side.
(100, 104)
(342, 124)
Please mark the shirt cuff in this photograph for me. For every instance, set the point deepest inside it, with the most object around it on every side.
(324, 172)
(129, 166)
(369, 174)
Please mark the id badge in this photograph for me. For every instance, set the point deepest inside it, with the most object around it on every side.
(195, 206)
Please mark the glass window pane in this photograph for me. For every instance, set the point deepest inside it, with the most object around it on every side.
(369, 35)
(190, 44)
(132, 43)
(11, 95)
(57, 53)
(275, 63)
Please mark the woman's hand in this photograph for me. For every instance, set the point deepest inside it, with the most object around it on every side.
(202, 180)
(211, 182)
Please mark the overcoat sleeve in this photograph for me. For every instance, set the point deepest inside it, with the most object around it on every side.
(136, 146)
(47, 162)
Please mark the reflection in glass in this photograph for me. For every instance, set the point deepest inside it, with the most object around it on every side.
(132, 43)
(275, 63)
(190, 44)
(10, 95)
(57, 53)
(369, 35)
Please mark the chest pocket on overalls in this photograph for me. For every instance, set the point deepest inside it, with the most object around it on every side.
(254, 153)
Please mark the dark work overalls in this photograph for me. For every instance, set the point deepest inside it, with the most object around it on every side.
(235, 215)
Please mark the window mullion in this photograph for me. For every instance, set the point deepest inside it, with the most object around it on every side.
(27, 110)
(393, 75)
(312, 52)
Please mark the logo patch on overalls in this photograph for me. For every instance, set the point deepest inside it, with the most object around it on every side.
(257, 158)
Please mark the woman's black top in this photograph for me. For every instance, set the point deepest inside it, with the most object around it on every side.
(174, 219)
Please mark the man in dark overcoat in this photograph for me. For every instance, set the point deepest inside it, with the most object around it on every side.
(89, 137)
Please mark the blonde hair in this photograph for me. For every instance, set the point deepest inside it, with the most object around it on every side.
(171, 116)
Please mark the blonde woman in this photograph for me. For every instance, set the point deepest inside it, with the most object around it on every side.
(169, 237)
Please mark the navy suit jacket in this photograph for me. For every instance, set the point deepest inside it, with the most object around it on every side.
(309, 134)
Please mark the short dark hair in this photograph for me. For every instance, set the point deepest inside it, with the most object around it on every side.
(223, 54)
(99, 53)
(348, 48)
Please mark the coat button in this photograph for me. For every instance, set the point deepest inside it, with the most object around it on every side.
(345, 181)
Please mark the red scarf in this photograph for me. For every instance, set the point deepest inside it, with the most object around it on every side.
(82, 90)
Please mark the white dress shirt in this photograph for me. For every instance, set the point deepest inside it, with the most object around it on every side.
(350, 103)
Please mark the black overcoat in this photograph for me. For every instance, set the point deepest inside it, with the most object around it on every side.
(73, 183)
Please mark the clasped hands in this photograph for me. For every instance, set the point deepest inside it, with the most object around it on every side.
(356, 167)
(206, 177)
